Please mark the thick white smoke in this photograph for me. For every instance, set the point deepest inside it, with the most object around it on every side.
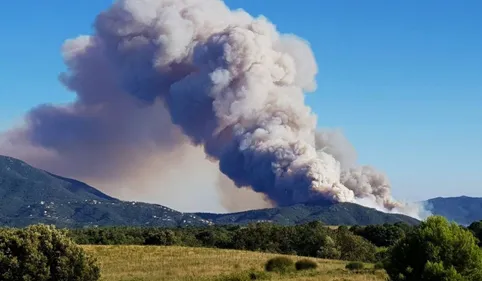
(158, 74)
(370, 186)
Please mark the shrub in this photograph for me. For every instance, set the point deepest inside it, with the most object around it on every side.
(279, 264)
(329, 249)
(381, 254)
(245, 276)
(163, 237)
(436, 250)
(43, 253)
(355, 265)
(305, 264)
(378, 265)
(354, 248)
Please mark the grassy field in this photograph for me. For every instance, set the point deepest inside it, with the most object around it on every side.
(149, 263)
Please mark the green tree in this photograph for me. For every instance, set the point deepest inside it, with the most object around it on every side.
(353, 247)
(380, 235)
(435, 251)
(329, 249)
(43, 253)
(476, 228)
(161, 237)
(310, 238)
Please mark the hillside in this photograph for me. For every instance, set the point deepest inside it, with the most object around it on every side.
(151, 263)
(330, 214)
(29, 195)
(463, 210)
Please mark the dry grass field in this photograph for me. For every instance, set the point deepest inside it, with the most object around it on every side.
(149, 263)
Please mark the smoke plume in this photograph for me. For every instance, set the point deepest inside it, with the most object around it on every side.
(158, 77)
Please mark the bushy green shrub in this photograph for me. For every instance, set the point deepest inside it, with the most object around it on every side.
(164, 238)
(436, 250)
(43, 253)
(305, 264)
(329, 249)
(355, 265)
(245, 276)
(378, 265)
(382, 254)
(354, 248)
(280, 265)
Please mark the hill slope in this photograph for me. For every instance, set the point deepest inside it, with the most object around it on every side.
(153, 263)
(463, 210)
(29, 195)
(331, 214)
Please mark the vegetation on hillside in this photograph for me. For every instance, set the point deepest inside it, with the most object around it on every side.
(326, 212)
(30, 196)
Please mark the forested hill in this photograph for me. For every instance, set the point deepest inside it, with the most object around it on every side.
(463, 209)
(29, 195)
(330, 214)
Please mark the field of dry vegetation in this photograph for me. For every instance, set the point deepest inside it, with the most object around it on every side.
(149, 263)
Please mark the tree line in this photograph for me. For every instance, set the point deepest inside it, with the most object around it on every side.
(434, 250)
(361, 243)
(311, 239)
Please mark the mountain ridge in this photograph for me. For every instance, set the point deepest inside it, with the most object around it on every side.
(330, 214)
(461, 209)
(29, 195)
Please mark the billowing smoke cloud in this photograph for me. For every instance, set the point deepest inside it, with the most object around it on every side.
(364, 181)
(158, 76)
(370, 186)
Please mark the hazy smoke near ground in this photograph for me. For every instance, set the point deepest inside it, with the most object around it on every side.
(236, 199)
(158, 76)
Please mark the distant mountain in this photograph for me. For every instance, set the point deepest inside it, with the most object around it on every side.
(29, 195)
(462, 210)
(330, 214)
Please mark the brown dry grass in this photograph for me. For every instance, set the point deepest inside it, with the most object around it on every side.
(149, 263)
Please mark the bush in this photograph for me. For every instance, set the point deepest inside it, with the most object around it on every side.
(436, 250)
(161, 238)
(245, 276)
(381, 254)
(279, 264)
(354, 248)
(305, 264)
(329, 249)
(378, 265)
(355, 266)
(380, 235)
(476, 228)
(43, 253)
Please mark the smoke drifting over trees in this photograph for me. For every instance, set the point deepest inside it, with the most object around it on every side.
(159, 78)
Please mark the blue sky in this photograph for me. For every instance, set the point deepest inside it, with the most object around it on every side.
(402, 79)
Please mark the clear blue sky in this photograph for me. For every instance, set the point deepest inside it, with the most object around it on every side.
(403, 79)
